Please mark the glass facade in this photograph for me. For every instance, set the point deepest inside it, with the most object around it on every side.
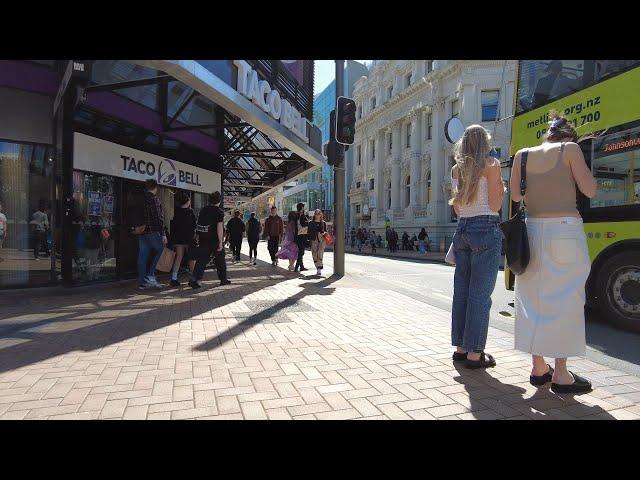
(29, 233)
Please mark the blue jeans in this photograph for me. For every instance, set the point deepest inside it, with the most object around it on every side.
(147, 243)
(477, 245)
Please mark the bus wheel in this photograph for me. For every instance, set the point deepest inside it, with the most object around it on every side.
(619, 290)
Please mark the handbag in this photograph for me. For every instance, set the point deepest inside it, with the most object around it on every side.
(515, 229)
(327, 238)
(165, 264)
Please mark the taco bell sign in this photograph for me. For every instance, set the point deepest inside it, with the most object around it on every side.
(269, 100)
(96, 155)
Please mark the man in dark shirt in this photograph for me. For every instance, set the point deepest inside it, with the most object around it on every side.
(235, 229)
(302, 227)
(273, 230)
(153, 240)
(210, 236)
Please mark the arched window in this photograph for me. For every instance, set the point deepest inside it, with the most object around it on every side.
(407, 190)
(429, 187)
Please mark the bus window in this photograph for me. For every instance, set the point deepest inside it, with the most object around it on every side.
(541, 81)
(616, 166)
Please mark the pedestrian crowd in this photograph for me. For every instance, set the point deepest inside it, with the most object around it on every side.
(549, 292)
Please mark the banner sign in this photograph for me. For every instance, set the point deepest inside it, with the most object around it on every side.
(94, 207)
(96, 155)
(612, 102)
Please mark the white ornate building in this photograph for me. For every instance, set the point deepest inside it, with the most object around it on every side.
(402, 160)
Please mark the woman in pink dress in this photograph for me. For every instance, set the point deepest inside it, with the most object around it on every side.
(289, 249)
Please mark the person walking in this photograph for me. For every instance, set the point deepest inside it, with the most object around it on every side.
(183, 228)
(394, 240)
(152, 240)
(3, 229)
(359, 239)
(405, 241)
(301, 235)
(40, 222)
(317, 229)
(423, 238)
(235, 229)
(210, 240)
(477, 196)
(372, 241)
(387, 234)
(253, 237)
(289, 250)
(273, 231)
(550, 293)
(353, 237)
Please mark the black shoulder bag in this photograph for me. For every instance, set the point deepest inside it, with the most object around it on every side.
(515, 229)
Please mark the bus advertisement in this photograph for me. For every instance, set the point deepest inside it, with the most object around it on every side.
(601, 98)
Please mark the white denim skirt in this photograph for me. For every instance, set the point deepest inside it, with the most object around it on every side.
(550, 294)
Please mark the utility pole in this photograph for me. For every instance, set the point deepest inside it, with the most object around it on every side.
(338, 188)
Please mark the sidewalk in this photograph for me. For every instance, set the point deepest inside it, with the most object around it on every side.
(273, 345)
(408, 254)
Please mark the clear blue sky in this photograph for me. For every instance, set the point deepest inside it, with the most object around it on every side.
(325, 72)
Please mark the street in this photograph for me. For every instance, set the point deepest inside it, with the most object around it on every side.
(432, 283)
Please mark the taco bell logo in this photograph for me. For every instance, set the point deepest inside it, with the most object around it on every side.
(167, 173)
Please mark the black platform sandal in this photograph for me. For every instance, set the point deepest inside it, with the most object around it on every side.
(459, 357)
(579, 385)
(486, 361)
(539, 380)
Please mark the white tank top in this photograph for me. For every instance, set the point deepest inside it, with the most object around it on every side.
(480, 205)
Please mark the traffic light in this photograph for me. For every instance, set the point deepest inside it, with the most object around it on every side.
(345, 120)
(334, 152)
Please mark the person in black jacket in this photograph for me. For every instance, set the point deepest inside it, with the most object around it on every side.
(302, 228)
(253, 237)
(209, 239)
(317, 229)
(183, 228)
(235, 229)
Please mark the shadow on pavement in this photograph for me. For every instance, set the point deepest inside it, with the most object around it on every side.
(317, 288)
(488, 394)
(94, 318)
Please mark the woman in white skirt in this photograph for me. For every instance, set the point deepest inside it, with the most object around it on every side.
(550, 294)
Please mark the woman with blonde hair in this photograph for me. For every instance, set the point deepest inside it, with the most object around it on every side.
(317, 229)
(550, 294)
(477, 197)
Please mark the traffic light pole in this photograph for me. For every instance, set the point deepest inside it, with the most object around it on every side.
(338, 189)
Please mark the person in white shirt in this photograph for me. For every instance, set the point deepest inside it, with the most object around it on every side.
(3, 228)
(40, 222)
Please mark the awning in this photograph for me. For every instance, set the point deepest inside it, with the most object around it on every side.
(259, 153)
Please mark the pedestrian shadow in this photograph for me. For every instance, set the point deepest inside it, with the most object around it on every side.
(484, 390)
(316, 288)
(101, 316)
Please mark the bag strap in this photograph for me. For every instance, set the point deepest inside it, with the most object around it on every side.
(523, 172)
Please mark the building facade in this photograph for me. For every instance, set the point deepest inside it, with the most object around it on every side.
(79, 138)
(400, 175)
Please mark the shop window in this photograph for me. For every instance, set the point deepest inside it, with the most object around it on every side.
(29, 218)
(489, 99)
(616, 166)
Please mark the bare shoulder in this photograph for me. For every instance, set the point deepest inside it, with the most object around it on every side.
(492, 167)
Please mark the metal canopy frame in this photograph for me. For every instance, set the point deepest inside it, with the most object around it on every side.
(251, 160)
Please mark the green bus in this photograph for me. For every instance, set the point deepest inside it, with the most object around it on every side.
(602, 98)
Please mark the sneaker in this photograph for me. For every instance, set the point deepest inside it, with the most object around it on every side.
(143, 286)
(153, 282)
(194, 285)
(291, 269)
(225, 282)
(302, 269)
(319, 272)
(175, 283)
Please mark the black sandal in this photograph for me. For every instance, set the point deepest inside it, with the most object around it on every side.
(579, 385)
(539, 380)
(482, 362)
(459, 357)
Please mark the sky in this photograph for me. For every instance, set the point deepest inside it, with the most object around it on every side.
(325, 72)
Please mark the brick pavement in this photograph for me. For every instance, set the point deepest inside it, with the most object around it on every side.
(273, 345)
